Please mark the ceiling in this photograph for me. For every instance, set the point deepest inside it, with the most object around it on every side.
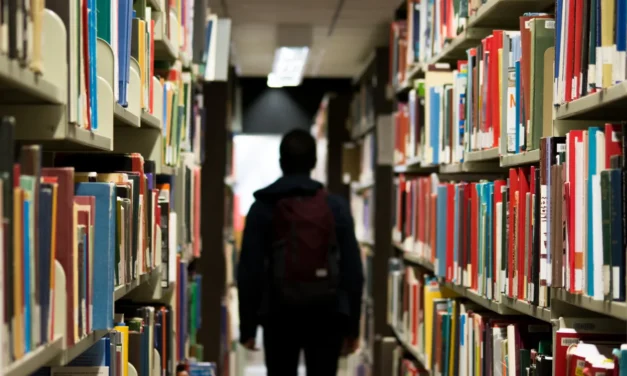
(361, 26)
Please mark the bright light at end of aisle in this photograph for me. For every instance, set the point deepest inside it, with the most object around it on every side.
(289, 65)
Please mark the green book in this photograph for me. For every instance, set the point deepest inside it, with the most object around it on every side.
(103, 20)
(542, 38)
(139, 6)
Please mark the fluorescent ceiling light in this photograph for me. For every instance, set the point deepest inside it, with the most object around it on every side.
(289, 66)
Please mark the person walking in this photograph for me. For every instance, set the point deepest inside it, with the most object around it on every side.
(300, 274)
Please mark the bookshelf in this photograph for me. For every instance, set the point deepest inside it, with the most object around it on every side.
(107, 177)
(508, 248)
(367, 166)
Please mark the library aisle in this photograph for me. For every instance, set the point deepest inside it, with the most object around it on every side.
(480, 145)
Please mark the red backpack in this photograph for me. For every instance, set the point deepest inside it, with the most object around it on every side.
(305, 256)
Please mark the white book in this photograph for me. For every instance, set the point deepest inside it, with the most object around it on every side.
(598, 237)
(499, 238)
(579, 225)
(511, 350)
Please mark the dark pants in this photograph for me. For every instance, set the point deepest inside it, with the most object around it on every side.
(319, 336)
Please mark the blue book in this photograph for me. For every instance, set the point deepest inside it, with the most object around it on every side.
(469, 88)
(480, 233)
(592, 170)
(95, 356)
(124, 55)
(441, 231)
(27, 275)
(622, 362)
(183, 305)
(518, 104)
(93, 59)
(45, 247)
(104, 250)
(205, 55)
(434, 113)
(616, 231)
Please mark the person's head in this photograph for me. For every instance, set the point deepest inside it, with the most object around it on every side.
(298, 153)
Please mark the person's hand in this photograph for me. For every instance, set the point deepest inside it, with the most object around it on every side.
(350, 346)
(250, 344)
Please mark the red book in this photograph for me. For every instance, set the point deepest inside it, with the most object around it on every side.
(474, 232)
(512, 221)
(450, 224)
(64, 238)
(577, 36)
(432, 228)
(612, 142)
(572, 139)
(523, 189)
(498, 198)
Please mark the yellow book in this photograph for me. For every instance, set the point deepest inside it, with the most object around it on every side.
(432, 291)
(608, 45)
(18, 281)
(124, 331)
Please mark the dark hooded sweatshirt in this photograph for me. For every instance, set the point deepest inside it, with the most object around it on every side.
(251, 276)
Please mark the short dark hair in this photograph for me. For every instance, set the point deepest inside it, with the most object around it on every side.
(298, 152)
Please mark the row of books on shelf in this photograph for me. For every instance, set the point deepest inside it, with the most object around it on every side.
(137, 33)
(590, 47)
(151, 339)
(499, 97)
(106, 219)
(429, 26)
(452, 336)
(561, 224)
